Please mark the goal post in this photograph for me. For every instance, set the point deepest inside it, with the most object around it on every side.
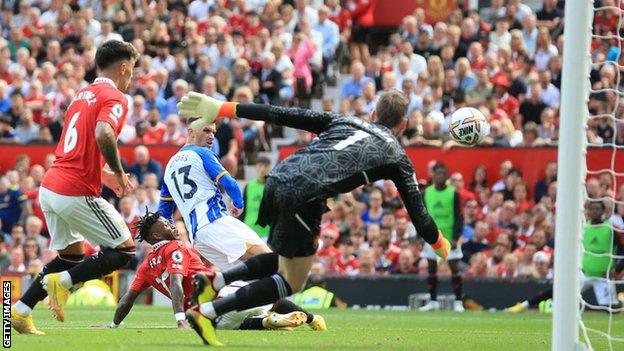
(571, 175)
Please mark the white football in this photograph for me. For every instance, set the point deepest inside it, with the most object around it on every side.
(468, 126)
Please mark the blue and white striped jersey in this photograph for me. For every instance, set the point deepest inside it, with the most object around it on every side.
(191, 180)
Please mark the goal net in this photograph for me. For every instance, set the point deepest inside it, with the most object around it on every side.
(591, 206)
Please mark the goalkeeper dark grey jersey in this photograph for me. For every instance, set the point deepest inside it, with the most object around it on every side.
(348, 152)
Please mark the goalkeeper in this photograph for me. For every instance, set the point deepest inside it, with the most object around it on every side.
(598, 239)
(348, 152)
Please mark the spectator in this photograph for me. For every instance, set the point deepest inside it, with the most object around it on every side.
(375, 210)
(144, 164)
(34, 225)
(477, 243)
(17, 236)
(406, 263)
(532, 108)
(127, 211)
(328, 236)
(478, 266)
(14, 206)
(346, 262)
(32, 257)
(173, 134)
(353, 87)
(530, 136)
(156, 130)
(27, 130)
(466, 79)
(270, 78)
(550, 175)
(526, 266)
(542, 270)
(470, 214)
(300, 53)
(180, 87)
(153, 100)
(367, 263)
(17, 261)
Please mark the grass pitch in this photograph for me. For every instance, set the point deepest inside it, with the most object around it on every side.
(151, 328)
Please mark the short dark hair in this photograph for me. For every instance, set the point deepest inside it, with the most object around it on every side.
(439, 167)
(392, 108)
(144, 224)
(113, 51)
(263, 160)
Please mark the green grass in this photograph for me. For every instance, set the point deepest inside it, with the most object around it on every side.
(150, 328)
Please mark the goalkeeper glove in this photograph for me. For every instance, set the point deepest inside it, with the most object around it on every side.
(203, 106)
(442, 247)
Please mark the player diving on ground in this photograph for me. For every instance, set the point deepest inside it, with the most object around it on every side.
(348, 152)
(170, 268)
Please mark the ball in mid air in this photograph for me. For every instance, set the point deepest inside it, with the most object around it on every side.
(468, 126)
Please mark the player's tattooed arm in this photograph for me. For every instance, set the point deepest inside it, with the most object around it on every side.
(177, 292)
(124, 306)
(107, 143)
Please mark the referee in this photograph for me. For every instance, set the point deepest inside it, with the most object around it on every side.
(348, 152)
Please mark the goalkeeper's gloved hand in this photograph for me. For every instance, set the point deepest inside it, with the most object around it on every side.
(442, 247)
(203, 106)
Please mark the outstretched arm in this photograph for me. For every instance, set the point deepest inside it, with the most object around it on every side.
(311, 121)
(124, 306)
(404, 178)
(177, 298)
(199, 105)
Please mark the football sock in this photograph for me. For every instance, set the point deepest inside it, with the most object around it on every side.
(36, 292)
(261, 292)
(432, 283)
(257, 267)
(100, 264)
(456, 281)
(252, 323)
(285, 306)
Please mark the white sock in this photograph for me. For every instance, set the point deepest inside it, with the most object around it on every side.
(218, 282)
(525, 303)
(207, 310)
(22, 308)
(66, 279)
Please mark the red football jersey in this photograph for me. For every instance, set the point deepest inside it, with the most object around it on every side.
(78, 166)
(167, 258)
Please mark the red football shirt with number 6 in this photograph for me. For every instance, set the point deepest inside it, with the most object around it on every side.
(78, 166)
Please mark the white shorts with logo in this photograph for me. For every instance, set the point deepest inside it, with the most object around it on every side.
(429, 253)
(604, 290)
(72, 219)
(225, 240)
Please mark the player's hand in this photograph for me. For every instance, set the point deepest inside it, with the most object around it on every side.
(124, 183)
(109, 179)
(195, 104)
(183, 325)
(236, 211)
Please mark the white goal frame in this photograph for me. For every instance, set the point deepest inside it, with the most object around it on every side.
(571, 175)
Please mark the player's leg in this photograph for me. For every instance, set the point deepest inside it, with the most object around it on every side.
(316, 322)
(256, 267)
(294, 238)
(101, 224)
(532, 302)
(456, 282)
(432, 284)
(63, 237)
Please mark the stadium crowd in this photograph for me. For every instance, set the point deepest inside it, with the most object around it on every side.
(505, 60)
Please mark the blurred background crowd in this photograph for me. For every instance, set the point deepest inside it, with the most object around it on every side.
(504, 59)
